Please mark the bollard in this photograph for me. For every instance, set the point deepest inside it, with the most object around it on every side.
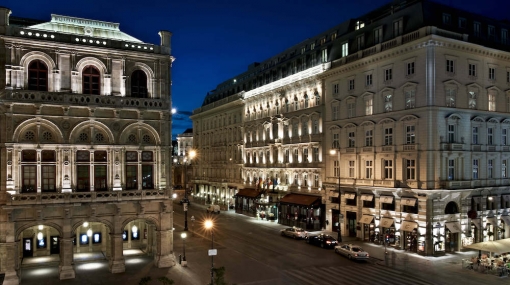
(180, 258)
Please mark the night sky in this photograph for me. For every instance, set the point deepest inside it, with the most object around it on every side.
(214, 40)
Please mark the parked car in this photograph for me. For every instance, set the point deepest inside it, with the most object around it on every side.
(322, 240)
(294, 232)
(352, 251)
(184, 200)
(215, 209)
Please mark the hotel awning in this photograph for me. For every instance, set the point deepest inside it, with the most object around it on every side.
(366, 219)
(386, 199)
(248, 193)
(350, 195)
(367, 197)
(386, 222)
(408, 201)
(506, 219)
(477, 223)
(454, 227)
(408, 226)
(298, 199)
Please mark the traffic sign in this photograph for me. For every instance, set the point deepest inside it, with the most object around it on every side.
(213, 252)
(185, 206)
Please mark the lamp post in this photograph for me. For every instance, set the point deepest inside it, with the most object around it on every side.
(191, 155)
(212, 252)
(335, 151)
(184, 262)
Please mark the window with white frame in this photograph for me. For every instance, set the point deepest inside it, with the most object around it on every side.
(324, 55)
(504, 171)
(351, 108)
(345, 49)
(490, 168)
(451, 96)
(492, 73)
(398, 27)
(369, 137)
(316, 180)
(304, 127)
(368, 80)
(336, 167)
(351, 84)
(490, 136)
(369, 102)
(410, 169)
(474, 135)
(378, 35)
(334, 112)
(388, 136)
(295, 129)
(296, 104)
(410, 134)
(315, 154)
(388, 101)
(286, 156)
(388, 76)
(451, 133)
(306, 101)
(473, 94)
(296, 155)
(335, 88)
(410, 68)
(296, 181)
(305, 155)
(476, 164)
(450, 66)
(472, 69)
(410, 99)
(336, 141)
(352, 139)
(351, 168)
(388, 169)
(315, 126)
(451, 169)
(369, 168)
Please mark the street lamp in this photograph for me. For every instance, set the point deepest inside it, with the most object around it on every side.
(212, 252)
(191, 155)
(333, 152)
(183, 236)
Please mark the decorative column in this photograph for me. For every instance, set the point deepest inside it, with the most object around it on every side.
(8, 251)
(116, 264)
(164, 255)
(66, 268)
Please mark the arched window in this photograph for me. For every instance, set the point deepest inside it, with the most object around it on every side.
(91, 81)
(37, 76)
(451, 208)
(139, 84)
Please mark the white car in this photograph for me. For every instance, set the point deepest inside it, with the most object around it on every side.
(294, 232)
(352, 251)
(215, 209)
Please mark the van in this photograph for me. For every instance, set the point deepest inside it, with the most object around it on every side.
(213, 209)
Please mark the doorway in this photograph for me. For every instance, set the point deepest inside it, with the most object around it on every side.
(28, 250)
(351, 223)
(54, 245)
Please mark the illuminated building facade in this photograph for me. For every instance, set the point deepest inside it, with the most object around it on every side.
(85, 143)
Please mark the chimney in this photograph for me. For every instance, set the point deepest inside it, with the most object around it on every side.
(4, 19)
(165, 41)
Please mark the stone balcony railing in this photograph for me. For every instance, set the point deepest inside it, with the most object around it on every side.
(64, 98)
(84, 197)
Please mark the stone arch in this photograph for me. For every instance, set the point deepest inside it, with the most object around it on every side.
(107, 223)
(81, 64)
(386, 121)
(454, 116)
(37, 55)
(85, 124)
(149, 219)
(409, 118)
(30, 224)
(132, 127)
(451, 208)
(150, 77)
(21, 128)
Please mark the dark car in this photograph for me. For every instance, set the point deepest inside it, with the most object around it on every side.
(322, 240)
(184, 200)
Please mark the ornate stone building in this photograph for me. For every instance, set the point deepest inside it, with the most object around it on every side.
(85, 143)
(404, 111)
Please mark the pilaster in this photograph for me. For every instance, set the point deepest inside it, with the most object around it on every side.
(116, 263)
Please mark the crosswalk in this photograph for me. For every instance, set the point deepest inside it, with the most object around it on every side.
(362, 275)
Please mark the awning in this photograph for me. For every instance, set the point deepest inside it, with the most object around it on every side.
(249, 193)
(477, 223)
(408, 226)
(367, 197)
(506, 219)
(333, 194)
(492, 220)
(386, 222)
(350, 195)
(386, 199)
(298, 199)
(366, 219)
(454, 227)
(408, 201)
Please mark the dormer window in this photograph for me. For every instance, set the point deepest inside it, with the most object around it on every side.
(360, 25)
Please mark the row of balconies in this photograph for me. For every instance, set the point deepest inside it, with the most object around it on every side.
(85, 197)
(474, 147)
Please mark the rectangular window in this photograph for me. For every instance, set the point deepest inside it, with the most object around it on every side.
(472, 70)
(451, 95)
(368, 80)
(492, 102)
(345, 49)
(334, 115)
(336, 141)
(351, 84)
(369, 107)
(83, 179)
(490, 168)
(388, 136)
(296, 155)
(447, 19)
(305, 155)
(48, 175)
(398, 28)
(29, 178)
(491, 32)
(492, 73)
(131, 177)
(360, 41)
(504, 36)
(336, 167)
(490, 136)
(410, 68)
(324, 55)
(410, 99)
(351, 109)
(100, 178)
(387, 74)
(369, 138)
(504, 172)
(450, 66)
(359, 25)
(451, 169)
(286, 156)
(388, 169)
(410, 135)
(462, 23)
(369, 167)
(335, 88)
(474, 135)
(351, 168)
(378, 36)
(147, 177)
(352, 139)
(476, 29)
(411, 169)
(504, 136)
(476, 163)
(451, 133)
